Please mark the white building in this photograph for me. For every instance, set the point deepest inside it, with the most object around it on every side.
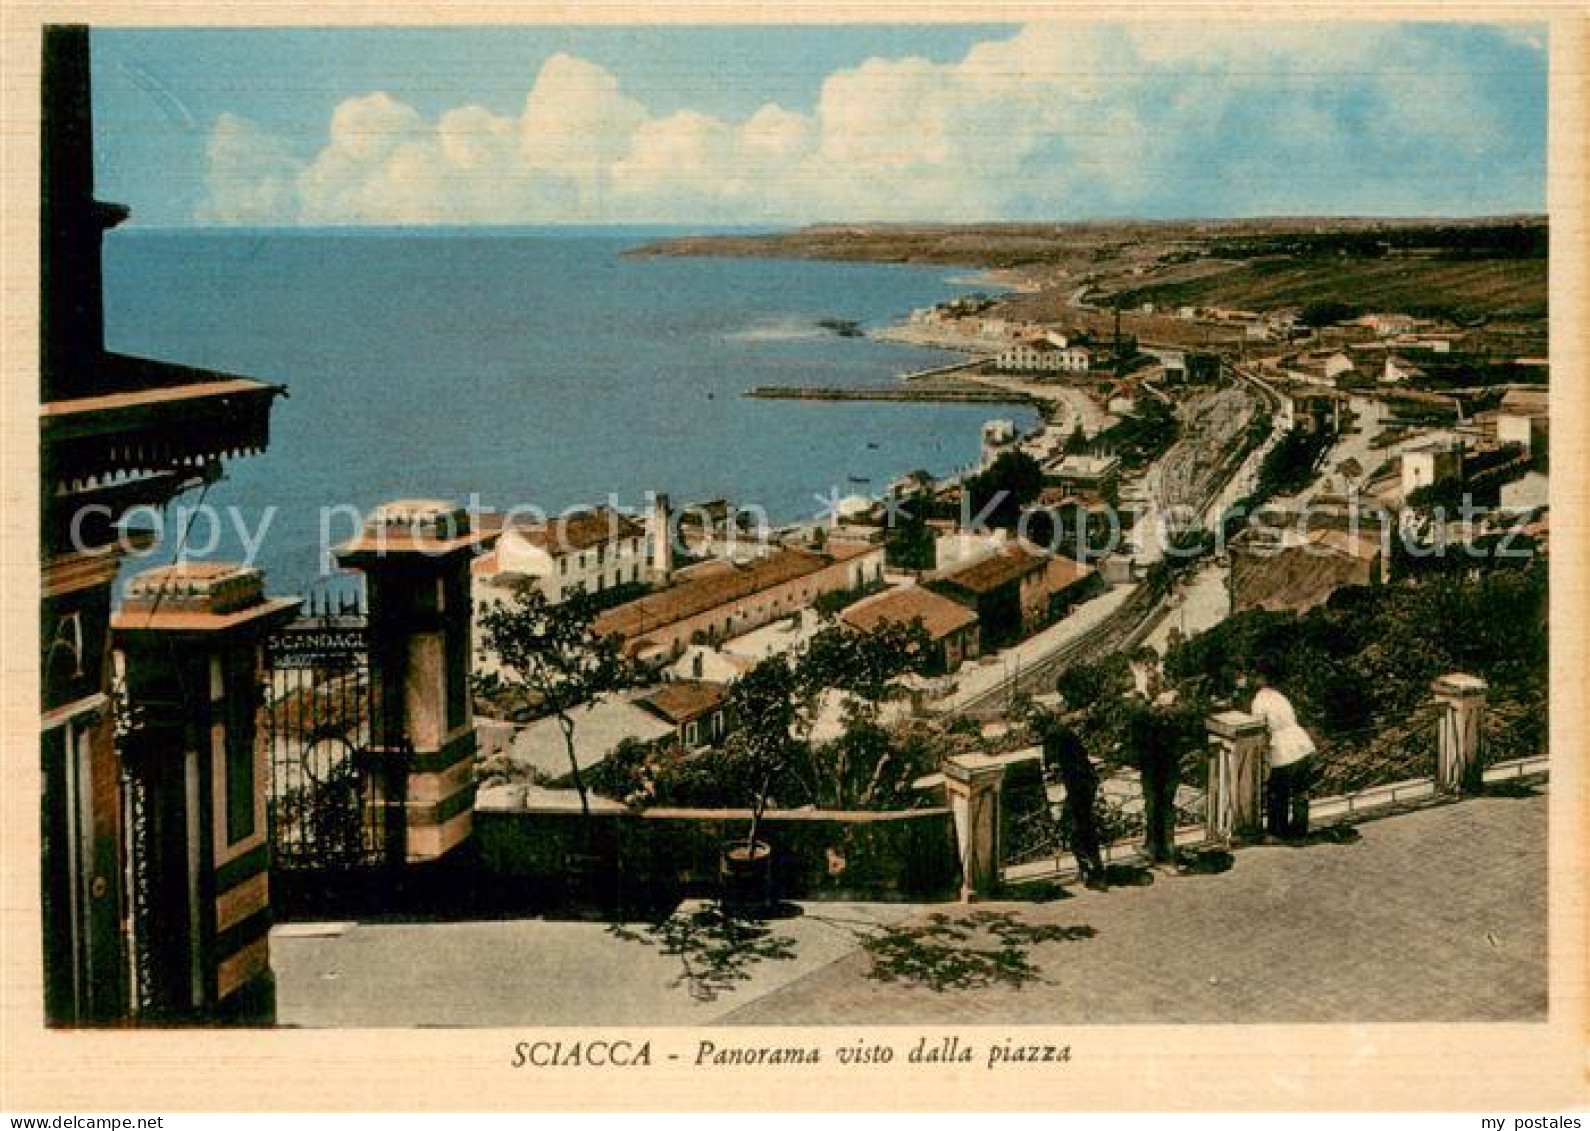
(1519, 428)
(1399, 369)
(998, 435)
(1389, 325)
(1044, 356)
(1438, 461)
(1319, 368)
(588, 551)
(1529, 493)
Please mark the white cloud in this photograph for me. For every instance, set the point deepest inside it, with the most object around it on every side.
(251, 176)
(1058, 119)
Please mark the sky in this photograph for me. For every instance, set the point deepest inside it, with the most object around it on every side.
(775, 126)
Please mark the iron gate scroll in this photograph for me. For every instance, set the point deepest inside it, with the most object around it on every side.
(337, 761)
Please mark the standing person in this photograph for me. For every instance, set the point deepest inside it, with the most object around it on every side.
(1290, 759)
(1064, 753)
(1154, 734)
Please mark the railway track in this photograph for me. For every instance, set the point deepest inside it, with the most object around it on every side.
(1128, 625)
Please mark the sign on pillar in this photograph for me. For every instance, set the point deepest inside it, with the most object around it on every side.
(1462, 701)
(189, 642)
(1236, 776)
(415, 557)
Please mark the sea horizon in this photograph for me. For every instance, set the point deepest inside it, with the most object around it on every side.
(546, 369)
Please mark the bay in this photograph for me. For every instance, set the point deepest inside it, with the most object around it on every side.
(534, 367)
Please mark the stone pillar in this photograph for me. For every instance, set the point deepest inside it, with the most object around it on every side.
(1462, 702)
(1236, 776)
(972, 784)
(189, 643)
(415, 556)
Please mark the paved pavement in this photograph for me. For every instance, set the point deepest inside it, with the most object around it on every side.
(1436, 915)
(692, 971)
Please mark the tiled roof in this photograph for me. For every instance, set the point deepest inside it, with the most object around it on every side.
(684, 700)
(987, 574)
(1526, 402)
(1062, 573)
(939, 615)
(699, 594)
(581, 530)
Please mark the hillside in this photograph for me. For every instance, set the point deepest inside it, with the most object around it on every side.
(1479, 268)
(1464, 289)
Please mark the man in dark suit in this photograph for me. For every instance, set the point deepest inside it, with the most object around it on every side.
(1065, 756)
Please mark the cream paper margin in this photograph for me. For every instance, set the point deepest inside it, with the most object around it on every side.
(1492, 1067)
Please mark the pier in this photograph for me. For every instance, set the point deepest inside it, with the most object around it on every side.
(948, 394)
(946, 370)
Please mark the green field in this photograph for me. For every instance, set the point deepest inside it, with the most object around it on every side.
(1464, 288)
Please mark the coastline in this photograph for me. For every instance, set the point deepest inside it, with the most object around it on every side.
(1010, 279)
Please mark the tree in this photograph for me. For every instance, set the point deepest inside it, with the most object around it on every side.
(552, 652)
(909, 544)
(862, 663)
(1327, 312)
(864, 764)
(762, 704)
(1076, 443)
(1012, 481)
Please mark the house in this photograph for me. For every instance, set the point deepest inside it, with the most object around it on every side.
(1069, 583)
(1007, 590)
(1529, 432)
(695, 709)
(951, 627)
(998, 436)
(1045, 355)
(1425, 343)
(587, 551)
(1080, 474)
(1529, 493)
(1399, 369)
(1523, 418)
(719, 599)
(1293, 573)
(1322, 368)
(1431, 464)
(1388, 325)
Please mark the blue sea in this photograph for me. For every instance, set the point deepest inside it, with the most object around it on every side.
(525, 366)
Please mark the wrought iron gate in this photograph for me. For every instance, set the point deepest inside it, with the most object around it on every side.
(336, 754)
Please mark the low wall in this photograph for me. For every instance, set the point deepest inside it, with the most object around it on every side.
(818, 854)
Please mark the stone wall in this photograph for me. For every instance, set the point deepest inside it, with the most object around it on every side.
(818, 854)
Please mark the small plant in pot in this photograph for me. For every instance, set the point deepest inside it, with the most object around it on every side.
(763, 705)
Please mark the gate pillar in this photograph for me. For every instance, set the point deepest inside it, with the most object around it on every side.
(1462, 701)
(1236, 776)
(188, 642)
(415, 557)
(972, 783)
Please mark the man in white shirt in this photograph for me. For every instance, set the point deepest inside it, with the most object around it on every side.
(1291, 752)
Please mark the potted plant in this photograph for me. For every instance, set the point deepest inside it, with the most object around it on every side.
(762, 703)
